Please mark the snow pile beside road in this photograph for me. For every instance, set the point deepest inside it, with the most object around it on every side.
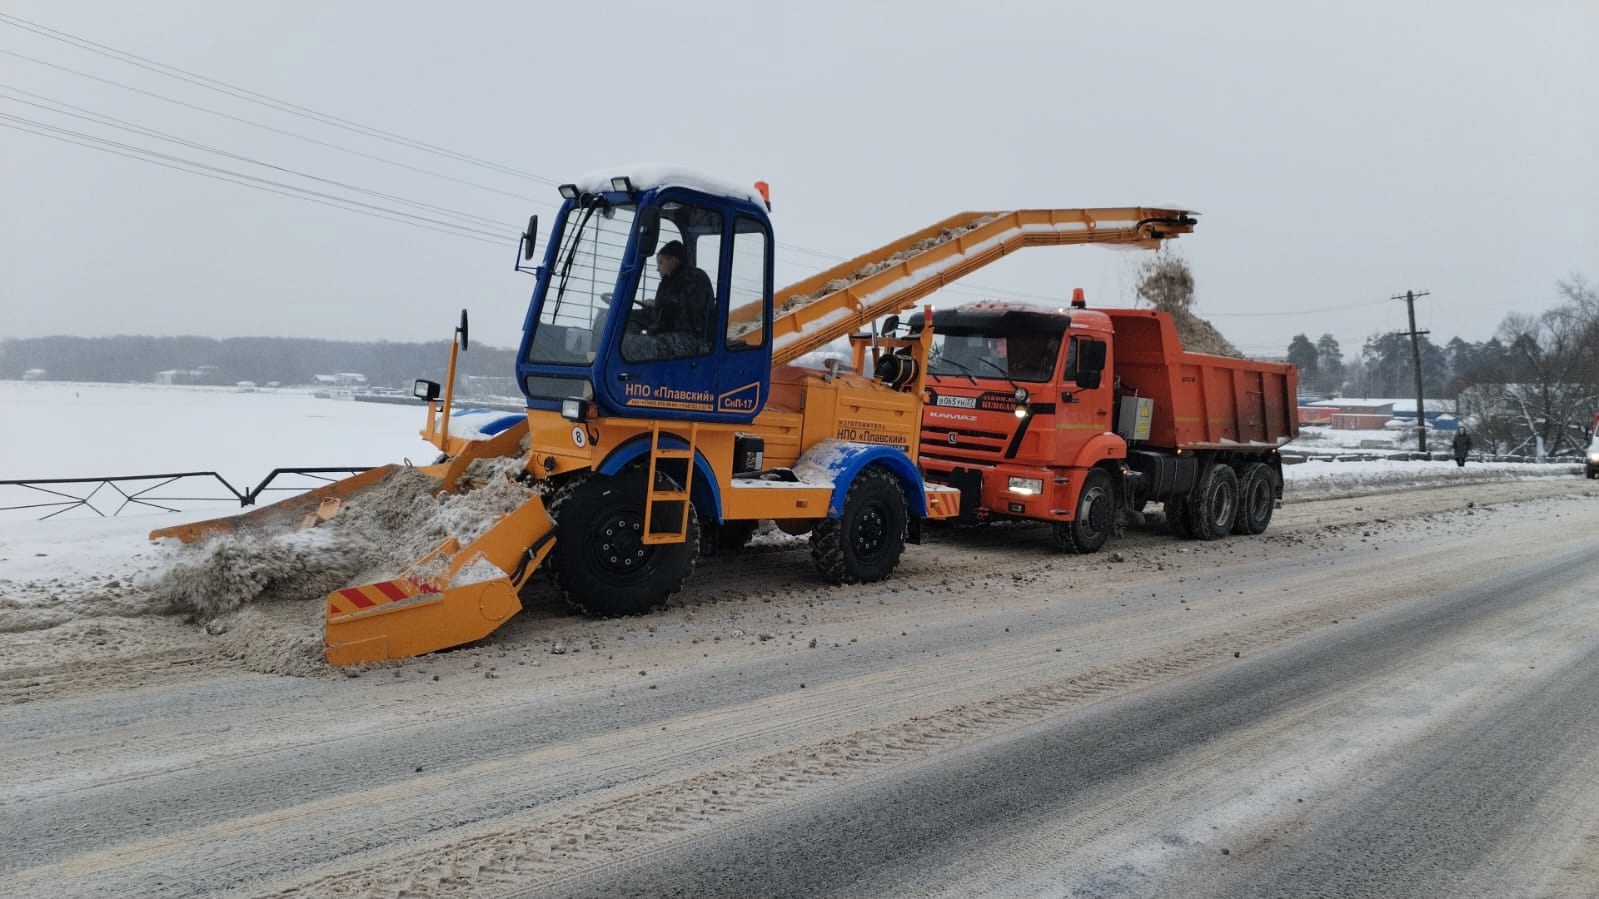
(1328, 480)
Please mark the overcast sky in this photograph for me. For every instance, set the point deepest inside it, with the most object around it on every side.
(1338, 155)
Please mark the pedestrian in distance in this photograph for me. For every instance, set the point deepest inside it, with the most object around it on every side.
(1462, 445)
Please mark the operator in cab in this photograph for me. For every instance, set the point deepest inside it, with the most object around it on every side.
(679, 316)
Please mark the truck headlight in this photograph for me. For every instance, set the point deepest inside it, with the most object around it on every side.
(1027, 486)
(574, 409)
(1593, 458)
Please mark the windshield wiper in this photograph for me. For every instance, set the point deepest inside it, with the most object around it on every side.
(958, 365)
(1002, 372)
(571, 255)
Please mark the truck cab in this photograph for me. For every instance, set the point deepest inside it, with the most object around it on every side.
(1014, 394)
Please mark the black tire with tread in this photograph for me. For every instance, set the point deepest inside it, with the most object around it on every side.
(599, 563)
(1213, 504)
(1096, 516)
(863, 544)
(1257, 499)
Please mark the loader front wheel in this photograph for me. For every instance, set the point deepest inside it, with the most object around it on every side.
(864, 543)
(602, 564)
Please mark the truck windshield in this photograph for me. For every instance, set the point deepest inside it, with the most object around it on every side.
(579, 296)
(1017, 357)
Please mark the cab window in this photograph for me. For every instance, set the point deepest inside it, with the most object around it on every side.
(746, 286)
(674, 312)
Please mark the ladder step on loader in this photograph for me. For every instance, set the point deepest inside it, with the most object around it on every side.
(656, 532)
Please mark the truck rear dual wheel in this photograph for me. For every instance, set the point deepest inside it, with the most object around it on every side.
(602, 564)
(1096, 515)
(1257, 499)
(1213, 504)
(864, 543)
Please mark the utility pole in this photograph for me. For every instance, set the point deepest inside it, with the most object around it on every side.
(1415, 354)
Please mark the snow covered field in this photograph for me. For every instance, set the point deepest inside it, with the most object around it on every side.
(63, 430)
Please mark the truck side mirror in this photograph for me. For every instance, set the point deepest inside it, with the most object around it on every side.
(460, 332)
(890, 324)
(649, 231)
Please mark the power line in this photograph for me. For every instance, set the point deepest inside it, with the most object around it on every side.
(261, 99)
(276, 104)
(1295, 312)
(115, 148)
(355, 127)
(113, 122)
(285, 133)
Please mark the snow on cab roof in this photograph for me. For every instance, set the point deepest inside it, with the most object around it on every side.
(648, 175)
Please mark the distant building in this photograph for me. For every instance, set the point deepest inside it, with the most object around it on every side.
(33, 374)
(340, 379)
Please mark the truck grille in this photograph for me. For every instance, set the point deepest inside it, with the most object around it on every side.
(966, 445)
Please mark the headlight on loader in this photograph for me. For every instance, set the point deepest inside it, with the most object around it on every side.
(574, 409)
(1027, 486)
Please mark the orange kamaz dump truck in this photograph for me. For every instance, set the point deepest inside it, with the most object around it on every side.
(1073, 416)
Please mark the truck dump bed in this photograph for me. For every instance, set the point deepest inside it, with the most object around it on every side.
(1202, 401)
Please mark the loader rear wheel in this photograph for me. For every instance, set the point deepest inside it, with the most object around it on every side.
(602, 564)
(1257, 498)
(1096, 515)
(1213, 505)
(864, 543)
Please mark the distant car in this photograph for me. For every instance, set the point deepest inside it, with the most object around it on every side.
(1592, 466)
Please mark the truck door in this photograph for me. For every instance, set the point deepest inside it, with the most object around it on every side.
(1085, 409)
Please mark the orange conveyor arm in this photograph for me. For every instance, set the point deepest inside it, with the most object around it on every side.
(813, 312)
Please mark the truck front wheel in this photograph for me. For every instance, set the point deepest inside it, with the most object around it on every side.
(602, 564)
(1212, 507)
(864, 543)
(1256, 499)
(1096, 515)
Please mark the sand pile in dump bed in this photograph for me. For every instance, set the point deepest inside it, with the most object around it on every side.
(260, 591)
(1167, 283)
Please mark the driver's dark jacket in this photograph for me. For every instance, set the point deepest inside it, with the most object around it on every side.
(683, 302)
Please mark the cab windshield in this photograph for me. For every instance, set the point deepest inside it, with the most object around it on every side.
(578, 299)
(1015, 357)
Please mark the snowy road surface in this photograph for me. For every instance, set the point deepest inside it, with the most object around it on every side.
(1383, 695)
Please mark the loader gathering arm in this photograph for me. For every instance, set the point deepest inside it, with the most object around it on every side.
(833, 303)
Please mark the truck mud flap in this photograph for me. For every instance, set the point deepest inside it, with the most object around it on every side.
(450, 597)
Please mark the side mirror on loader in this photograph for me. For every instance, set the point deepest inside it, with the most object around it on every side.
(530, 238)
(460, 332)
